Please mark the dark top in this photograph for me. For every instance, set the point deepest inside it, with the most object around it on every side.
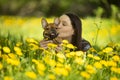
(85, 45)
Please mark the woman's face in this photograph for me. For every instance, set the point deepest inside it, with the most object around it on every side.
(65, 28)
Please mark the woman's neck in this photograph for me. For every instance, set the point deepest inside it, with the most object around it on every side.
(69, 39)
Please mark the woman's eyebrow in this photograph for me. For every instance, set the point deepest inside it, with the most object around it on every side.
(64, 22)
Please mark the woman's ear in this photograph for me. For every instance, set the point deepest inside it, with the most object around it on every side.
(44, 22)
(56, 21)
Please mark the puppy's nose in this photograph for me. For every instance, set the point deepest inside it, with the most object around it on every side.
(53, 35)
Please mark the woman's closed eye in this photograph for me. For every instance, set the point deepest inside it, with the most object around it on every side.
(64, 23)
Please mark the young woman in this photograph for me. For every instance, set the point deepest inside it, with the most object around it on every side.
(70, 28)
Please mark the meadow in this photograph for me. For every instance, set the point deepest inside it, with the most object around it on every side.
(21, 58)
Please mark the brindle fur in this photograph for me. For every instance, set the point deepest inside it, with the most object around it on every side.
(50, 32)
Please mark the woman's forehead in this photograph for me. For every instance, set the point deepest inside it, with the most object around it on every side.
(64, 18)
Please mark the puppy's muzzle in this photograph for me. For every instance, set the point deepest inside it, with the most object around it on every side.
(53, 34)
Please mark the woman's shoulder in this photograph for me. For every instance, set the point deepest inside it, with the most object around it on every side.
(85, 45)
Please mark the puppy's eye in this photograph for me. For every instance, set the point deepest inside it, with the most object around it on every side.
(47, 28)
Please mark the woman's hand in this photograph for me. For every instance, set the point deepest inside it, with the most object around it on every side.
(44, 43)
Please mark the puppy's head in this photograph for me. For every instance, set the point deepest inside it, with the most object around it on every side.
(50, 29)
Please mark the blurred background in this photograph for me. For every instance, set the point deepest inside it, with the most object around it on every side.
(100, 18)
(101, 8)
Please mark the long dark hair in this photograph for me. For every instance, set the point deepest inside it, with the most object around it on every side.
(77, 26)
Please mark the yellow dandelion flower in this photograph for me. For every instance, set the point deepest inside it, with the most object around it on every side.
(61, 71)
(103, 62)
(93, 50)
(52, 62)
(70, 54)
(8, 78)
(31, 75)
(67, 67)
(41, 67)
(113, 78)
(112, 63)
(52, 76)
(6, 49)
(96, 57)
(31, 40)
(51, 45)
(57, 70)
(108, 50)
(79, 61)
(64, 72)
(79, 53)
(116, 58)
(1, 66)
(19, 44)
(5, 57)
(13, 62)
(59, 64)
(33, 46)
(98, 65)
(67, 51)
(89, 67)
(91, 71)
(61, 60)
(85, 74)
(11, 55)
(46, 59)
(65, 41)
(9, 60)
(41, 72)
(115, 69)
(90, 55)
(18, 51)
(59, 55)
(35, 61)
(48, 52)
(70, 46)
(118, 70)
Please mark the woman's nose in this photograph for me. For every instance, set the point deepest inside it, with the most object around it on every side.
(59, 26)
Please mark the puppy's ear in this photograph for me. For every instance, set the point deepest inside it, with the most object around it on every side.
(56, 21)
(44, 22)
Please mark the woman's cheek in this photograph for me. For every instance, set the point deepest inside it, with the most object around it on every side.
(65, 32)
